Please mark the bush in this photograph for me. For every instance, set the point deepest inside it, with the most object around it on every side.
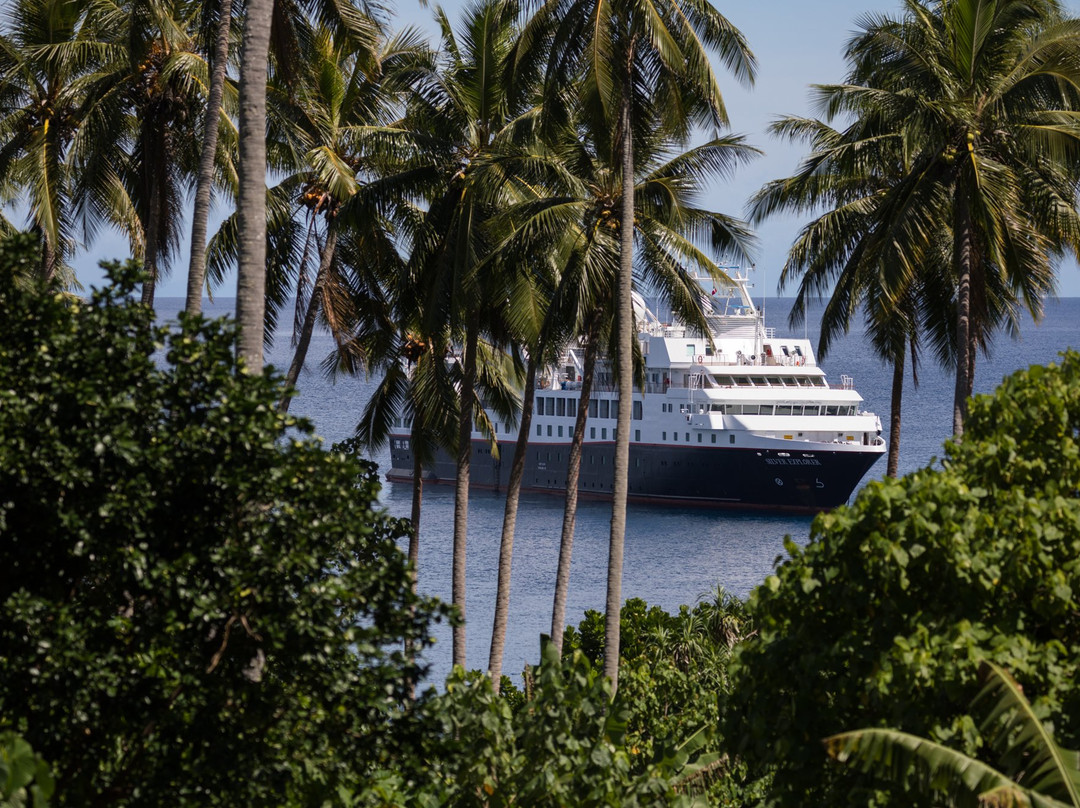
(566, 745)
(883, 619)
(198, 603)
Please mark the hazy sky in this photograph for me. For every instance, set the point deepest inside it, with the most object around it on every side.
(797, 43)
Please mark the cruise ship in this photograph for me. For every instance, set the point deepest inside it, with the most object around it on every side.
(745, 419)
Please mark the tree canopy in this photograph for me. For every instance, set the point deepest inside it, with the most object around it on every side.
(884, 618)
(199, 603)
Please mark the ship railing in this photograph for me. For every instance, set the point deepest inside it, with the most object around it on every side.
(726, 359)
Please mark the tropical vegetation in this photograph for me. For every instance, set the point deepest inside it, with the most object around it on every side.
(885, 617)
(959, 145)
(193, 587)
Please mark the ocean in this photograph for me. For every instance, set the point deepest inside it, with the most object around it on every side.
(673, 555)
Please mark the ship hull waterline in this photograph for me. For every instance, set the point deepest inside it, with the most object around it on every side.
(798, 478)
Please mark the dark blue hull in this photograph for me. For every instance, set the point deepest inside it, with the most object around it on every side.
(796, 480)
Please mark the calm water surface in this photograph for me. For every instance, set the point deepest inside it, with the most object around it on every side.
(673, 555)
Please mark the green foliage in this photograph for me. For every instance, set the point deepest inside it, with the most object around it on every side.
(673, 673)
(673, 667)
(567, 745)
(1035, 770)
(25, 780)
(18, 259)
(884, 618)
(198, 603)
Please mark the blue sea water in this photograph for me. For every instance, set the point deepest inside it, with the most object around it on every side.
(673, 555)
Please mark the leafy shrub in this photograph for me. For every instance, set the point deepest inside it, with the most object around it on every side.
(198, 603)
(673, 667)
(883, 619)
(567, 745)
(25, 779)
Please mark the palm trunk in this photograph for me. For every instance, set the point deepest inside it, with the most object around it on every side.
(894, 417)
(48, 261)
(506, 546)
(964, 254)
(199, 217)
(461, 489)
(573, 474)
(624, 323)
(251, 199)
(308, 326)
(150, 251)
(414, 539)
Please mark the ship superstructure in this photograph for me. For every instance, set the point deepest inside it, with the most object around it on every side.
(744, 419)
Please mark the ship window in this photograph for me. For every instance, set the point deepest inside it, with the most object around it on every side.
(549, 408)
(765, 409)
(831, 409)
(539, 405)
(592, 433)
(743, 381)
(731, 438)
(571, 408)
(637, 435)
(560, 406)
(637, 410)
(790, 382)
(664, 434)
(675, 436)
(539, 431)
(796, 409)
(775, 381)
(817, 381)
(749, 409)
(605, 408)
(811, 409)
(691, 349)
(726, 381)
(593, 408)
(713, 437)
(560, 430)
(549, 430)
(603, 433)
(687, 437)
(717, 408)
(699, 437)
(783, 409)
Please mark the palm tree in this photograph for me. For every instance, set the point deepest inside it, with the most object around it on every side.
(219, 20)
(135, 151)
(331, 251)
(1036, 771)
(461, 125)
(642, 66)
(852, 251)
(585, 216)
(981, 93)
(44, 51)
(291, 29)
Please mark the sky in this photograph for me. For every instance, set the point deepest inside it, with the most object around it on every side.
(797, 43)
